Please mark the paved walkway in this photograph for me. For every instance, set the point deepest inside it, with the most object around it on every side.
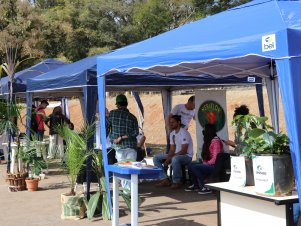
(162, 206)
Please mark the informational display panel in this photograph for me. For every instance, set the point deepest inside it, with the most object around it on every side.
(264, 175)
(238, 171)
(211, 107)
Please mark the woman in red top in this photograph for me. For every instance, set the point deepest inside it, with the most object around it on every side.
(40, 118)
(211, 148)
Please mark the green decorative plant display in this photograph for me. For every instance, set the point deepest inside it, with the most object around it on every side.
(35, 164)
(254, 136)
(97, 166)
(263, 141)
(76, 150)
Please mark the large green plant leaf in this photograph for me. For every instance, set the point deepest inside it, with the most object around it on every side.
(105, 207)
(92, 204)
(126, 197)
(103, 183)
(256, 132)
(269, 138)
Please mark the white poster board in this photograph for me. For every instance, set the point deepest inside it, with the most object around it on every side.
(238, 171)
(263, 175)
(202, 97)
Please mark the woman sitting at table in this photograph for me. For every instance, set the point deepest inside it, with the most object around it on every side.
(200, 170)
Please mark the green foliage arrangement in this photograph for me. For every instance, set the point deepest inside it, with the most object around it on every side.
(97, 166)
(28, 154)
(8, 114)
(76, 150)
(251, 139)
(263, 141)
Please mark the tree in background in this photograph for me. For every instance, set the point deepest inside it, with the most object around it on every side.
(77, 29)
(20, 26)
(210, 7)
(152, 17)
(74, 29)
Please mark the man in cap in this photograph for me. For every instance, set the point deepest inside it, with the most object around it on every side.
(123, 130)
(40, 118)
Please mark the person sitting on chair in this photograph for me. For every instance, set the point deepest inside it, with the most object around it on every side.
(211, 148)
(223, 163)
(180, 153)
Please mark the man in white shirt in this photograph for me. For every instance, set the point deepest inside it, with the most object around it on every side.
(186, 111)
(180, 153)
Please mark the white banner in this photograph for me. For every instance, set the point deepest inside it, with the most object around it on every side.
(264, 175)
(238, 171)
(213, 116)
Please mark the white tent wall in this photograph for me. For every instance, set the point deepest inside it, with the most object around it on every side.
(167, 103)
(82, 105)
(273, 96)
(64, 103)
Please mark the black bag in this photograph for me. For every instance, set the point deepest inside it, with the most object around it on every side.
(33, 123)
(71, 126)
(140, 154)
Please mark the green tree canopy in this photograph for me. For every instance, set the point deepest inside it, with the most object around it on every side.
(74, 29)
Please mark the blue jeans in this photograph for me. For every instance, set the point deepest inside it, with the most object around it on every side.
(40, 135)
(123, 154)
(176, 163)
(199, 172)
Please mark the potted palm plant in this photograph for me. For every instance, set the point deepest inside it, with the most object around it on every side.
(76, 151)
(9, 112)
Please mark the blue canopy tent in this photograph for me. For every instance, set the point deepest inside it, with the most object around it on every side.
(21, 77)
(79, 79)
(241, 41)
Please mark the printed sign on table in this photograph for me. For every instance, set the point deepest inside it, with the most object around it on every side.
(238, 171)
(263, 175)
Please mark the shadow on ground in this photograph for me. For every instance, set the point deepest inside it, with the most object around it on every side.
(179, 221)
(55, 186)
(148, 190)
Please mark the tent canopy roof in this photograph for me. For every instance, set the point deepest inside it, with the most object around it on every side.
(67, 80)
(220, 46)
(143, 82)
(234, 42)
(21, 77)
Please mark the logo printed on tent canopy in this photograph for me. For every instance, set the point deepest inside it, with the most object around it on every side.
(268, 43)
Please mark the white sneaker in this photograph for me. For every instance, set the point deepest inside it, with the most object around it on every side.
(191, 188)
(204, 191)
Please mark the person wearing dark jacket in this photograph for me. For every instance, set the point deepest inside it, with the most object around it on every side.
(55, 141)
